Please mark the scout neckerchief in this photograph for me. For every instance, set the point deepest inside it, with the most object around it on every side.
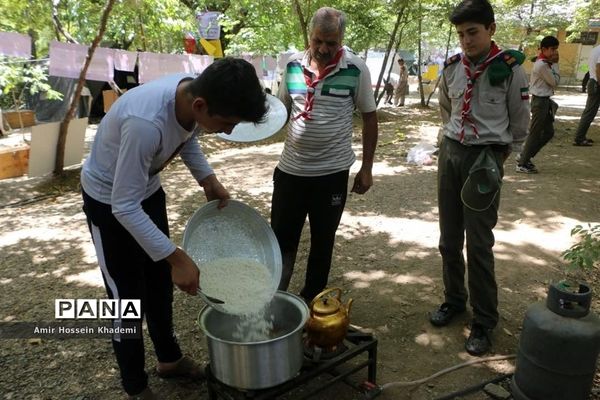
(312, 84)
(471, 78)
(545, 59)
(542, 57)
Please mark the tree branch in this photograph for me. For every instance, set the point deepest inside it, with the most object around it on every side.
(58, 24)
(64, 125)
(303, 22)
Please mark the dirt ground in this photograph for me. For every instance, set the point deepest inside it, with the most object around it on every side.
(385, 258)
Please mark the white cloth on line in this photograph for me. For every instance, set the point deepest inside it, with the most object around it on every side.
(15, 44)
(66, 59)
(125, 60)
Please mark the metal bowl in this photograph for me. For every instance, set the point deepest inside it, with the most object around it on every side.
(236, 230)
(260, 364)
(250, 132)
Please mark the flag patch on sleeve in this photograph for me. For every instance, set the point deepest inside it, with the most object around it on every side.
(525, 93)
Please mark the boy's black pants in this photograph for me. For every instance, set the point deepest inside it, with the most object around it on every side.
(129, 273)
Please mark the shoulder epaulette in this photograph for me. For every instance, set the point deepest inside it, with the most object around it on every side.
(502, 66)
(452, 60)
(512, 58)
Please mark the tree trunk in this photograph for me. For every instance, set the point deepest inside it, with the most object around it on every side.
(420, 26)
(387, 52)
(391, 67)
(64, 125)
(396, 51)
(303, 22)
(437, 82)
(33, 35)
(142, 32)
(529, 28)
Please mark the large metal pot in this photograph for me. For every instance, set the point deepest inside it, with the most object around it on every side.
(257, 365)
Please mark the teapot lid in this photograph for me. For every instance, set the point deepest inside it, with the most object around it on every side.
(326, 305)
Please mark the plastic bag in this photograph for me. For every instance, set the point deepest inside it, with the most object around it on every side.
(421, 154)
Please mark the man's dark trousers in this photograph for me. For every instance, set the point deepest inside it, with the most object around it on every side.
(590, 111)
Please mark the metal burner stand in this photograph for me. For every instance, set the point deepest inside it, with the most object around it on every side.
(356, 342)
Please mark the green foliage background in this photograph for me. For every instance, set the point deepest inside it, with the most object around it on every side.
(273, 26)
(270, 27)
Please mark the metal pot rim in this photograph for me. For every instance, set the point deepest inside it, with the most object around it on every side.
(297, 300)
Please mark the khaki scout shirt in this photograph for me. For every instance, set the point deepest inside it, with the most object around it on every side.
(545, 77)
(500, 113)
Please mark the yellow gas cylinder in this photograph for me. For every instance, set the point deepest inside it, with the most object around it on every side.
(329, 319)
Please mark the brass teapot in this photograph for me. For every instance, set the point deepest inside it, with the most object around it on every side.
(329, 320)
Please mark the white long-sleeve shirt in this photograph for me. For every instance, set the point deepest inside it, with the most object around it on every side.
(135, 139)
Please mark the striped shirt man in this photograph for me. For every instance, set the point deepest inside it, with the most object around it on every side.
(322, 144)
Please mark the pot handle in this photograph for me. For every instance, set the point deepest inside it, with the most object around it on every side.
(326, 292)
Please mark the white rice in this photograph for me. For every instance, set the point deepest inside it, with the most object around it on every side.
(255, 327)
(244, 284)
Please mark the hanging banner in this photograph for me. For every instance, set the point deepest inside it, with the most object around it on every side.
(199, 63)
(101, 67)
(208, 25)
(15, 45)
(66, 59)
(155, 65)
(125, 60)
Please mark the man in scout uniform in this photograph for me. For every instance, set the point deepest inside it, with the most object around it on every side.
(320, 87)
(485, 112)
(544, 79)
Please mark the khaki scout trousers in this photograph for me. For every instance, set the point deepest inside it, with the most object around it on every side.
(456, 220)
(400, 93)
(541, 128)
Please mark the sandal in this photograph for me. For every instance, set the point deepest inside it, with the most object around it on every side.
(185, 368)
(584, 142)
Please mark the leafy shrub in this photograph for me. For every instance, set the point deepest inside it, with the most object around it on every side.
(584, 254)
(18, 79)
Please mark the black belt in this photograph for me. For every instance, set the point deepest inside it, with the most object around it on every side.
(495, 146)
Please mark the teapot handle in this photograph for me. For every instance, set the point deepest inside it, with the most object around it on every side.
(326, 292)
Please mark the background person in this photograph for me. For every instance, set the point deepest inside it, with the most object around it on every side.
(389, 91)
(402, 88)
(321, 87)
(544, 80)
(593, 100)
(125, 204)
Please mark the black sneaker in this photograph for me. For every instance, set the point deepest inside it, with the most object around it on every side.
(478, 343)
(443, 315)
(527, 168)
(584, 142)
